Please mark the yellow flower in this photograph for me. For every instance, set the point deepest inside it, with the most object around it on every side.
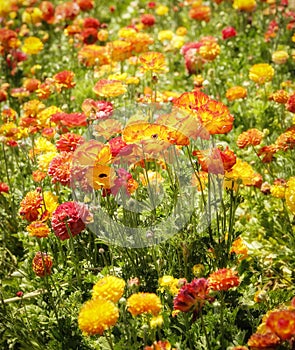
(278, 191)
(109, 88)
(156, 321)
(181, 31)
(261, 73)
(165, 35)
(50, 202)
(117, 76)
(38, 229)
(110, 288)
(241, 172)
(290, 194)
(43, 160)
(32, 45)
(42, 145)
(244, 5)
(132, 81)
(236, 92)
(210, 50)
(102, 35)
(169, 283)
(45, 115)
(32, 15)
(162, 10)
(141, 303)
(152, 62)
(97, 315)
(126, 33)
(280, 57)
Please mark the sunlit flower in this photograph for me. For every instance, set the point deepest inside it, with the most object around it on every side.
(170, 284)
(32, 45)
(251, 137)
(286, 140)
(280, 96)
(70, 120)
(156, 321)
(228, 32)
(209, 50)
(66, 11)
(91, 55)
(290, 105)
(38, 229)
(235, 93)
(148, 20)
(244, 5)
(159, 345)
(64, 80)
(165, 35)
(141, 303)
(261, 73)
(68, 142)
(162, 10)
(200, 13)
(152, 62)
(282, 323)
(192, 296)
(266, 340)
(223, 279)
(97, 315)
(267, 153)
(47, 9)
(109, 288)
(44, 159)
(50, 203)
(69, 219)
(119, 50)
(109, 88)
(239, 247)
(241, 172)
(290, 194)
(60, 168)
(278, 189)
(97, 110)
(280, 57)
(4, 188)
(30, 204)
(32, 15)
(42, 264)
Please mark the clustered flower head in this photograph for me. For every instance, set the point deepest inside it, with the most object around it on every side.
(42, 264)
(109, 288)
(141, 303)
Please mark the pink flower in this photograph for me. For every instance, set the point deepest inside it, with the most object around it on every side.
(69, 218)
(228, 32)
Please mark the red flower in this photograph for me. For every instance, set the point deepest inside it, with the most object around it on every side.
(69, 218)
(228, 32)
(64, 79)
(263, 341)
(118, 146)
(148, 20)
(85, 5)
(290, 105)
(223, 279)
(71, 120)
(60, 168)
(4, 188)
(91, 22)
(30, 204)
(192, 296)
(89, 36)
(42, 264)
(47, 10)
(282, 323)
(69, 142)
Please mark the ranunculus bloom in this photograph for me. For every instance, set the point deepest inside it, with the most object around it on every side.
(148, 20)
(4, 188)
(228, 32)
(290, 194)
(244, 5)
(142, 303)
(109, 88)
(223, 279)
(69, 219)
(280, 96)
(200, 13)
(290, 105)
(236, 92)
(250, 137)
(60, 168)
(266, 340)
(192, 296)
(280, 57)
(261, 73)
(42, 264)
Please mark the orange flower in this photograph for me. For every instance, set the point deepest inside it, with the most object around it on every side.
(235, 93)
(216, 161)
(209, 50)
(60, 168)
(286, 140)
(109, 288)
(152, 62)
(159, 345)
(30, 204)
(238, 247)
(141, 303)
(38, 229)
(216, 118)
(267, 153)
(261, 73)
(42, 264)
(91, 55)
(280, 96)
(251, 137)
(223, 279)
(267, 340)
(109, 88)
(64, 80)
(119, 50)
(200, 13)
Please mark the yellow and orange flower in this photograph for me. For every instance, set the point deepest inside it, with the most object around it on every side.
(38, 229)
(280, 96)
(223, 279)
(109, 288)
(267, 340)
(209, 50)
(239, 247)
(235, 93)
(251, 137)
(141, 303)
(153, 62)
(282, 323)
(109, 88)
(244, 5)
(200, 13)
(97, 315)
(290, 194)
(261, 73)
(42, 264)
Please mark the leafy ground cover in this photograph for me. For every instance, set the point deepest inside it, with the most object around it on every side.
(147, 174)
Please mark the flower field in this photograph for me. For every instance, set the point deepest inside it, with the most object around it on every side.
(147, 184)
